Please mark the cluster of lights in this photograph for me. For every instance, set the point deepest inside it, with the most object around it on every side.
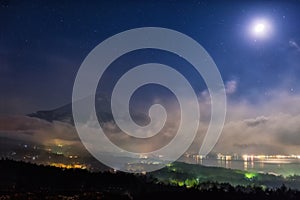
(69, 166)
(224, 157)
(262, 157)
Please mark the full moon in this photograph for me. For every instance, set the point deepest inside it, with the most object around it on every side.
(260, 28)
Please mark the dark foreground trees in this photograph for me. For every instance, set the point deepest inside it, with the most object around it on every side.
(19, 180)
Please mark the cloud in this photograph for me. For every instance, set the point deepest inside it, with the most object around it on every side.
(231, 86)
(269, 126)
(294, 44)
(277, 134)
(37, 131)
(257, 121)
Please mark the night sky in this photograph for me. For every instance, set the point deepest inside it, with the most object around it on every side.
(255, 44)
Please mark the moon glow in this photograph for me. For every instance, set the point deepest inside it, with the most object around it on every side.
(260, 29)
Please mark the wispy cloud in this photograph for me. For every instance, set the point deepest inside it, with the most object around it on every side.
(268, 126)
(231, 86)
(294, 44)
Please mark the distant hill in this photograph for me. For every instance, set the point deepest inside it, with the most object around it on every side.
(190, 174)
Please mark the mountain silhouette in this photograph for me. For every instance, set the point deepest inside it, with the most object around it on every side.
(103, 111)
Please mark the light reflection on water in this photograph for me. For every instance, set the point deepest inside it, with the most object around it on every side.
(285, 167)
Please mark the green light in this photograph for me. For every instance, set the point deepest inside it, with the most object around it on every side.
(180, 183)
(173, 181)
(176, 182)
(264, 187)
(250, 175)
(187, 183)
(190, 182)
